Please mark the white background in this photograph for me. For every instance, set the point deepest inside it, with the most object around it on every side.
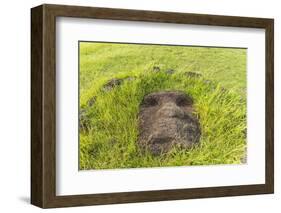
(15, 105)
(70, 181)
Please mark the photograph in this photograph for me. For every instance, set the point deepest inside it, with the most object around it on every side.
(133, 105)
(157, 105)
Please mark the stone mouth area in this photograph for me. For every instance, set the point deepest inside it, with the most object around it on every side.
(166, 119)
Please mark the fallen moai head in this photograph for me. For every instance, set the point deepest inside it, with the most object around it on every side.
(166, 119)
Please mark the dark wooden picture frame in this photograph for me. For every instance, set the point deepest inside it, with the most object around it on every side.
(43, 105)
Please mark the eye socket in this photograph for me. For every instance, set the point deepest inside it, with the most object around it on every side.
(150, 101)
(183, 101)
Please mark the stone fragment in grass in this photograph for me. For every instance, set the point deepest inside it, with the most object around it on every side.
(170, 71)
(156, 69)
(92, 101)
(84, 120)
(112, 83)
(193, 74)
(166, 120)
(115, 82)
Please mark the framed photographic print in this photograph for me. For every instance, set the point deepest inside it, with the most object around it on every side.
(136, 106)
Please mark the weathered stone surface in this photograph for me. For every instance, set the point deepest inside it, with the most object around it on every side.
(165, 120)
(115, 82)
(193, 74)
(170, 71)
(92, 101)
(156, 69)
(112, 83)
(84, 120)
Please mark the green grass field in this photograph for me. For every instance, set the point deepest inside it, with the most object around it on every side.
(112, 122)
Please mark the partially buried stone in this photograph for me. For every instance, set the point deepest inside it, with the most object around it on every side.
(115, 82)
(166, 120)
(193, 74)
(156, 69)
(92, 101)
(112, 83)
(170, 71)
(84, 120)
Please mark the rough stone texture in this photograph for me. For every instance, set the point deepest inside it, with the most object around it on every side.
(193, 74)
(92, 101)
(170, 71)
(166, 120)
(156, 69)
(112, 83)
(84, 120)
(115, 82)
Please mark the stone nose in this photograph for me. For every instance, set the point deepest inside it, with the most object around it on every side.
(170, 109)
